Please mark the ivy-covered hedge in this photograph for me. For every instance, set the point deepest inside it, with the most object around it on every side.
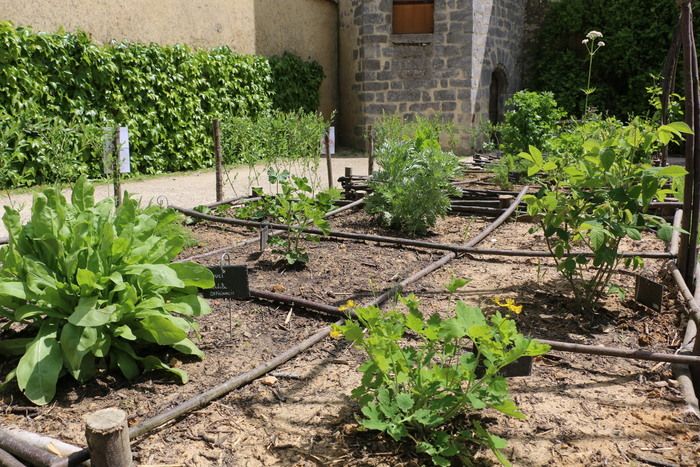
(295, 83)
(637, 34)
(166, 95)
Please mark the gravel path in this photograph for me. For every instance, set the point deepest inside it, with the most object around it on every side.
(189, 190)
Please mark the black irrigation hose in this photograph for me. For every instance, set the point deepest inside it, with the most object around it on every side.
(237, 381)
(33, 455)
(464, 249)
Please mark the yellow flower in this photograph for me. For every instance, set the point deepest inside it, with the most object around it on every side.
(336, 334)
(349, 305)
(508, 304)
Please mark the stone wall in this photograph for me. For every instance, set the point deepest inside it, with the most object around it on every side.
(447, 72)
(498, 44)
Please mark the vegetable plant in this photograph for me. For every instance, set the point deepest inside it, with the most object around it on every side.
(85, 287)
(432, 389)
(597, 199)
(166, 94)
(530, 119)
(295, 206)
(412, 189)
(278, 140)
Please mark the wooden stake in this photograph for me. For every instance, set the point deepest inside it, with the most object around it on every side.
(216, 128)
(107, 435)
(328, 160)
(116, 170)
(8, 460)
(370, 151)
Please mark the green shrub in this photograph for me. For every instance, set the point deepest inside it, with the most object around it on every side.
(295, 83)
(276, 139)
(598, 197)
(412, 189)
(431, 389)
(530, 119)
(637, 35)
(36, 149)
(90, 287)
(166, 95)
(295, 206)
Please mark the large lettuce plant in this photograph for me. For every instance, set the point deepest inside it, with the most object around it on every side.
(85, 286)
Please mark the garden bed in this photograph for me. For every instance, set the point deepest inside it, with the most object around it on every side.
(581, 409)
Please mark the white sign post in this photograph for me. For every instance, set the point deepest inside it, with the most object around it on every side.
(108, 153)
(116, 158)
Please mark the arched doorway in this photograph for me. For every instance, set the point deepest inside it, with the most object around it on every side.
(497, 95)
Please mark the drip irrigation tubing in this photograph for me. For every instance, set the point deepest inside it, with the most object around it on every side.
(25, 451)
(681, 371)
(466, 249)
(634, 354)
(248, 241)
(8, 460)
(206, 397)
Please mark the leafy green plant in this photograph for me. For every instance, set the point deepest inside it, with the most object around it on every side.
(166, 95)
(413, 187)
(596, 199)
(638, 35)
(296, 207)
(35, 148)
(592, 45)
(295, 83)
(85, 287)
(530, 119)
(279, 140)
(654, 95)
(431, 389)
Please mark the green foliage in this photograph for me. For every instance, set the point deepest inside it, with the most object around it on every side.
(432, 390)
(637, 33)
(166, 95)
(35, 148)
(90, 287)
(391, 128)
(530, 119)
(412, 189)
(295, 83)
(676, 108)
(296, 207)
(275, 139)
(597, 197)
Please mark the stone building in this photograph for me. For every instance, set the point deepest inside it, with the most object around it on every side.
(457, 58)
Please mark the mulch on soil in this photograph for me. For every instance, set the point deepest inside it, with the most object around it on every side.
(582, 410)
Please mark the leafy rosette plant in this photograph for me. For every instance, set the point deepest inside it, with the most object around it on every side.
(412, 191)
(295, 206)
(431, 389)
(85, 287)
(596, 200)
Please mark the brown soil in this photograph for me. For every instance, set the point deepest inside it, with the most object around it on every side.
(582, 410)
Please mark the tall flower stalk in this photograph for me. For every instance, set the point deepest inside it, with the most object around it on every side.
(593, 45)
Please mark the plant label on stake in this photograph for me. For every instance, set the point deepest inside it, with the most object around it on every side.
(108, 150)
(648, 293)
(230, 281)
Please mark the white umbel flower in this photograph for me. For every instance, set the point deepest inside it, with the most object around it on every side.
(592, 35)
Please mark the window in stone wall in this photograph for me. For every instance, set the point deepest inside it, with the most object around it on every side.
(413, 16)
